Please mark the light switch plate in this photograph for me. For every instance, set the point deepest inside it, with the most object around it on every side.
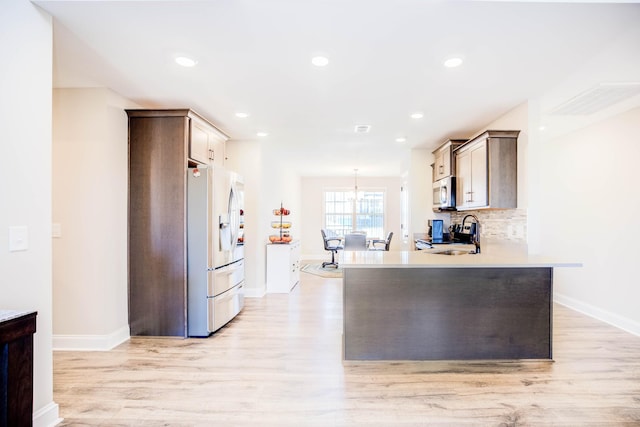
(56, 230)
(18, 238)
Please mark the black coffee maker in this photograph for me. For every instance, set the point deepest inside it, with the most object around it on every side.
(463, 234)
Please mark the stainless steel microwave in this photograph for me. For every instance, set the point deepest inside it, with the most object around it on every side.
(444, 194)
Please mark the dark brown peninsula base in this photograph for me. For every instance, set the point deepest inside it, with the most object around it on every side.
(447, 313)
(16, 368)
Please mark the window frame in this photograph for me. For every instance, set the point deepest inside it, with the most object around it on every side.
(354, 214)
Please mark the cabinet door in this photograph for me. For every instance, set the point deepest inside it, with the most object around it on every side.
(157, 224)
(471, 179)
(294, 264)
(438, 167)
(479, 175)
(199, 141)
(216, 149)
(442, 166)
(206, 145)
(463, 179)
(283, 267)
(446, 162)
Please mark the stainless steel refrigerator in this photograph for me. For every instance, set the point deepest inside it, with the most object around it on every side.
(215, 249)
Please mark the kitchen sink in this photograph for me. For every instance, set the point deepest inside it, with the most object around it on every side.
(453, 252)
(451, 249)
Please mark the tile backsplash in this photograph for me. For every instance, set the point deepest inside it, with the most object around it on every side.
(500, 224)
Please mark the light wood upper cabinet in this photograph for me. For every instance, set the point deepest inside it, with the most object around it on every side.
(199, 142)
(206, 144)
(486, 171)
(443, 159)
(217, 149)
(471, 177)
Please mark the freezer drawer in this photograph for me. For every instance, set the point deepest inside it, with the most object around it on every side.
(224, 278)
(224, 307)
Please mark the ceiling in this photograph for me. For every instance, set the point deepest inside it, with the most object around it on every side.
(385, 62)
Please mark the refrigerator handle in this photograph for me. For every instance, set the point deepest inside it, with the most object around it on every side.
(235, 211)
(230, 268)
(226, 238)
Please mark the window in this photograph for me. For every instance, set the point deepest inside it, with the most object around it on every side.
(404, 197)
(343, 214)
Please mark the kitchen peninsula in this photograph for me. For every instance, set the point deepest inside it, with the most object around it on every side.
(421, 305)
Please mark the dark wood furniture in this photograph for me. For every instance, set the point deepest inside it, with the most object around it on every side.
(160, 146)
(16, 367)
(447, 313)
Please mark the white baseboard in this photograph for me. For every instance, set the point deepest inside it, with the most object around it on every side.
(47, 416)
(91, 342)
(613, 319)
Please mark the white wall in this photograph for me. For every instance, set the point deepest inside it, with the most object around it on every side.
(267, 182)
(420, 191)
(585, 191)
(312, 209)
(279, 184)
(25, 181)
(516, 119)
(590, 186)
(245, 158)
(90, 172)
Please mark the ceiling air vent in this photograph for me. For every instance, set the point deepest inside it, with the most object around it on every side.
(597, 98)
(362, 128)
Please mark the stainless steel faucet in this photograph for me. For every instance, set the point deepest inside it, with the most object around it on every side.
(475, 238)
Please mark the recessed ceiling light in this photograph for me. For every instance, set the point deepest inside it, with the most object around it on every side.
(320, 61)
(417, 115)
(362, 128)
(261, 134)
(242, 115)
(401, 140)
(453, 62)
(542, 127)
(186, 62)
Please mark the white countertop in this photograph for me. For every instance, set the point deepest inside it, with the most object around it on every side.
(505, 255)
(6, 315)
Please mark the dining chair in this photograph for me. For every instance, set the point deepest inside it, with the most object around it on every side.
(355, 242)
(386, 243)
(332, 244)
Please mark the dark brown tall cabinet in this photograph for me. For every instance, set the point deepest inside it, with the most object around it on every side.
(160, 146)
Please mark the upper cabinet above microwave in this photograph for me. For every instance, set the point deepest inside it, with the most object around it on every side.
(486, 171)
(444, 163)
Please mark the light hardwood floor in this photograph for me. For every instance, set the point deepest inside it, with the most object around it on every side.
(279, 364)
